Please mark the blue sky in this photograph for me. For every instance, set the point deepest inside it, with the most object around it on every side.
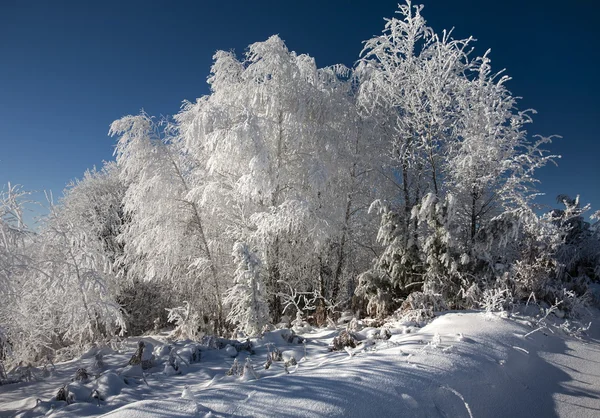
(69, 68)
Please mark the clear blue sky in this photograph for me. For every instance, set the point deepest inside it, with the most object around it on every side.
(69, 68)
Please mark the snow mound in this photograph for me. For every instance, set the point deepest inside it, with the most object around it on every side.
(181, 408)
(109, 384)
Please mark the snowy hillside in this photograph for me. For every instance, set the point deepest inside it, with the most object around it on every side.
(462, 364)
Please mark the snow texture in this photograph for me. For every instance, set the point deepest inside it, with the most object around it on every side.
(462, 364)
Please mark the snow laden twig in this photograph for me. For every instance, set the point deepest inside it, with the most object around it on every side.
(566, 326)
(306, 302)
(301, 301)
(457, 393)
(541, 323)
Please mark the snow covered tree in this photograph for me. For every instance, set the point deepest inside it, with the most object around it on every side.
(248, 308)
(67, 293)
(165, 237)
(98, 199)
(14, 236)
(282, 175)
(458, 152)
(580, 252)
(77, 252)
(283, 161)
(410, 80)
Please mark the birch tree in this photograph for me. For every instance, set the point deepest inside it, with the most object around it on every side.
(14, 236)
(460, 152)
(165, 237)
(273, 135)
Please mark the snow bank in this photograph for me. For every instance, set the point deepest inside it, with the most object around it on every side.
(463, 364)
(160, 409)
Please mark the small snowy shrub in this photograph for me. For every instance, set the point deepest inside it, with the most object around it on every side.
(299, 324)
(426, 301)
(235, 369)
(81, 375)
(186, 320)
(354, 325)
(377, 291)
(245, 346)
(4, 346)
(290, 336)
(420, 307)
(137, 356)
(571, 304)
(143, 355)
(436, 341)
(379, 334)
(23, 372)
(97, 396)
(248, 370)
(187, 394)
(344, 339)
(63, 394)
(379, 304)
(273, 354)
(3, 374)
(495, 300)
(172, 365)
(98, 361)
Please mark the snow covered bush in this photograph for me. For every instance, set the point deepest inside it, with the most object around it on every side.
(542, 267)
(14, 240)
(235, 369)
(495, 300)
(273, 354)
(343, 340)
(187, 322)
(143, 355)
(67, 286)
(578, 252)
(81, 375)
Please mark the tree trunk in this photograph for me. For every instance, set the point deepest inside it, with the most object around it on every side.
(273, 281)
(273, 258)
(335, 286)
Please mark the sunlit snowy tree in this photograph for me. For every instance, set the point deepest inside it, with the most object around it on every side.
(458, 151)
(14, 236)
(165, 235)
(282, 174)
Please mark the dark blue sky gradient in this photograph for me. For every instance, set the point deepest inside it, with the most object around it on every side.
(69, 68)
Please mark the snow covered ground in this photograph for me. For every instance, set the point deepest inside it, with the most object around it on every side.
(462, 364)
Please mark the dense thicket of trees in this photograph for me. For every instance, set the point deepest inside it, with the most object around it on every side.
(407, 181)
